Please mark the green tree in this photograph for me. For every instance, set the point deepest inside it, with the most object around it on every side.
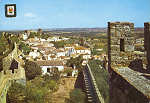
(75, 62)
(44, 36)
(32, 70)
(26, 49)
(59, 44)
(50, 83)
(68, 72)
(56, 74)
(3, 44)
(14, 39)
(95, 52)
(15, 93)
(32, 35)
(76, 96)
(35, 93)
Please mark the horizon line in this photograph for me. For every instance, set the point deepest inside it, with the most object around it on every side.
(59, 28)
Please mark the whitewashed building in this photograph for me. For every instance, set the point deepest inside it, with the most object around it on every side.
(60, 53)
(48, 66)
(25, 36)
(82, 50)
(86, 56)
(34, 54)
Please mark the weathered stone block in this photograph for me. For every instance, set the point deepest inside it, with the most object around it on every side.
(121, 42)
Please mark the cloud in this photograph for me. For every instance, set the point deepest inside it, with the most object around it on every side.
(30, 15)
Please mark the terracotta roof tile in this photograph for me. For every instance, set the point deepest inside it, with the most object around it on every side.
(50, 63)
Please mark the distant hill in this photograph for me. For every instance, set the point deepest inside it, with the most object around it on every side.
(98, 29)
(77, 30)
(139, 29)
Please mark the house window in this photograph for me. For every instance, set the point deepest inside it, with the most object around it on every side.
(48, 70)
(122, 45)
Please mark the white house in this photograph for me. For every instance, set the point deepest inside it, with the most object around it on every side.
(84, 62)
(49, 66)
(42, 40)
(34, 47)
(70, 51)
(65, 38)
(35, 43)
(45, 49)
(25, 36)
(36, 39)
(72, 72)
(55, 38)
(34, 54)
(75, 72)
(60, 53)
(139, 41)
(69, 48)
(47, 44)
(86, 56)
(82, 50)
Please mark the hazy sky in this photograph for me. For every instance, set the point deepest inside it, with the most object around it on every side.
(32, 14)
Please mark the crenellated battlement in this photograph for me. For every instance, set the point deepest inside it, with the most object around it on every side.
(126, 66)
(12, 70)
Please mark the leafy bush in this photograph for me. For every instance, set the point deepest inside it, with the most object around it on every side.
(75, 61)
(32, 70)
(26, 49)
(37, 90)
(3, 44)
(59, 44)
(76, 96)
(15, 93)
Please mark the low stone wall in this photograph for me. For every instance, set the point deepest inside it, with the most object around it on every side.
(99, 96)
(6, 75)
(5, 81)
(3, 94)
(121, 91)
(1, 76)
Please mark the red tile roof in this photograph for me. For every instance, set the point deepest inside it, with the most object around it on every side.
(50, 63)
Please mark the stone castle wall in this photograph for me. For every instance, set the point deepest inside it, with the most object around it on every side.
(121, 43)
(121, 53)
(1, 76)
(18, 72)
(8, 60)
(147, 40)
(7, 75)
(121, 91)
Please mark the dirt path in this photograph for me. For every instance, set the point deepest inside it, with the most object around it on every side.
(67, 84)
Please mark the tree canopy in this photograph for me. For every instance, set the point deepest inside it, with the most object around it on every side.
(3, 43)
(26, 49)
(75, 62)
(15, 93)
(37, 90)
(59, 44)
(32, 70)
